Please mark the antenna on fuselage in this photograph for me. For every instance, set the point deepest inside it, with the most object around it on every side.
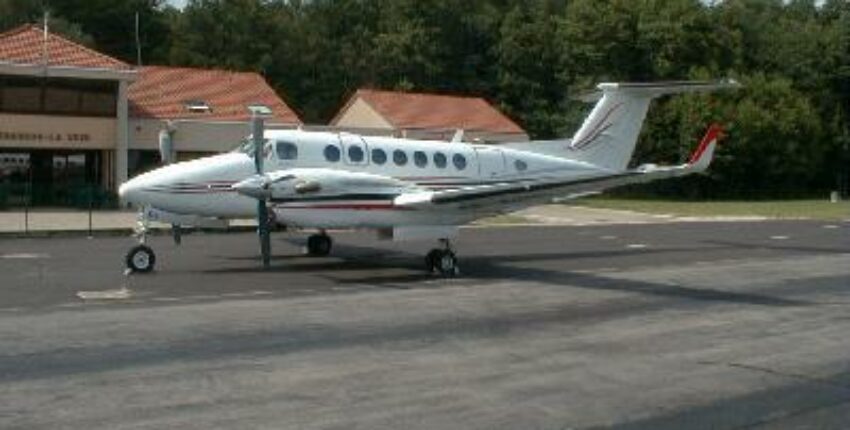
(458, 136)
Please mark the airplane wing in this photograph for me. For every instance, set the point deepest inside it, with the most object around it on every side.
(523, 193)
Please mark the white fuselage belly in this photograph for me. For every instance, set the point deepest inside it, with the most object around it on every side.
(202, 187)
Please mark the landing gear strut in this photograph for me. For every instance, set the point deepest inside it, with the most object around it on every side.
(442, 260)
(319, 245)
(141, 258)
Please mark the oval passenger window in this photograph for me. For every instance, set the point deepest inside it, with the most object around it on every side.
(420, 159)
(459, 161)
(355, 154)
(399, 157)
(440, 160)
(379, 156)
(332, 153)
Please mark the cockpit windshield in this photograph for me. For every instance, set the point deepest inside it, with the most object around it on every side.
(246, 146)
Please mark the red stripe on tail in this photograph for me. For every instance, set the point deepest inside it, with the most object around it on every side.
(712, 134)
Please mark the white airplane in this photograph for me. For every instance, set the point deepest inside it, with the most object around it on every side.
(405, 189)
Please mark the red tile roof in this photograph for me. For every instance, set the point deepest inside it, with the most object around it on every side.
(424, 111)
(25, 45)
(162, 92)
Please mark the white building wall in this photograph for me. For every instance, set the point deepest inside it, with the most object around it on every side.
(359, 114)
(192, 135)
(56, 132)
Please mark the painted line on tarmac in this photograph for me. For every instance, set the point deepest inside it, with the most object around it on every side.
(780, 237)
(24, 256)
(117, 294)
(637, 246)
(166, 299)
(259, 293)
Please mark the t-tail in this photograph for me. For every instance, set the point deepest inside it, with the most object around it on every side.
(608, 135)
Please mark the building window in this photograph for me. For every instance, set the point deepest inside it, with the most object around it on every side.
(440, 160)
(197, 106)
(520, 165)
(355, 154)
(22, 99)
(399, 157)
(379, 156)
(287, 151)
(459, 161)
(58, 96)
(98, 104)
(332, 153)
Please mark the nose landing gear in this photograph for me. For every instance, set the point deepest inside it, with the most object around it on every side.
(141, 258)
(442, 261)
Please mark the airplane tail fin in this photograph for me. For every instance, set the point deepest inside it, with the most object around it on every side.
(608, 135)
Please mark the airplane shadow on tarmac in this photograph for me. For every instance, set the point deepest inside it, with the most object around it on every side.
(409, 270)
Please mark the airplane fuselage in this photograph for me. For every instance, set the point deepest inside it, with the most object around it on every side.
(388, 168)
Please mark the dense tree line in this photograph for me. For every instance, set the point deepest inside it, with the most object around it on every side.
(788, 129)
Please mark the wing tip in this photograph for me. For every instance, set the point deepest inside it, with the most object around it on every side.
(712, 136)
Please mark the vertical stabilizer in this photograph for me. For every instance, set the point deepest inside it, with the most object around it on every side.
(608, 135)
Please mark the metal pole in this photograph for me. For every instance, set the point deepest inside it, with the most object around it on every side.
(90, 210)
(27, 198)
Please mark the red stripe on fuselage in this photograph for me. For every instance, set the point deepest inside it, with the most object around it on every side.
(347, 206)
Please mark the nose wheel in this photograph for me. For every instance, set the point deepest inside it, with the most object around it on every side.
(140, 259)
(442, 261)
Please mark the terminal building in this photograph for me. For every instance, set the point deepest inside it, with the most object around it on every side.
(74, 121)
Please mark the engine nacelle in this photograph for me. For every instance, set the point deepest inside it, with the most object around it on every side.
(302, 183)
(161, 216)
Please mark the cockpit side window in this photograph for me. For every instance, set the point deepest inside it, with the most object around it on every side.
(287, 151)
(246, 146)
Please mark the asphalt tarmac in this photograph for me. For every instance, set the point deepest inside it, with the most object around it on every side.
(679, 325)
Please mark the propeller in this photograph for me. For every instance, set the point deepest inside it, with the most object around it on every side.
(166, 154)
(263, 231)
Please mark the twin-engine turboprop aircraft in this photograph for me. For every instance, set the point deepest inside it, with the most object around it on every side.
(406, 189)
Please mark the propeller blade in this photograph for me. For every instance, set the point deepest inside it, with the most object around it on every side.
(257, 132)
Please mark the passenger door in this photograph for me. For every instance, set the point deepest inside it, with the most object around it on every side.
(355, 151)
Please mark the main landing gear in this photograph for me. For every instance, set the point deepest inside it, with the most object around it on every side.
(319, 245)
(141, 258)
(442, 261)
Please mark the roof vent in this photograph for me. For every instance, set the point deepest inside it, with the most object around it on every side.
(197, 106)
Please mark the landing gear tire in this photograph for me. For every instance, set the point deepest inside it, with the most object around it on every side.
(319, 245)
(140, 259)
(442, 262)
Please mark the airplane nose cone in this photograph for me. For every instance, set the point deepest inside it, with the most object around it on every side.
(255, 186)
(128, 192)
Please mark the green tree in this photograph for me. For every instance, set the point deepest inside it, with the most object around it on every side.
(112, 25)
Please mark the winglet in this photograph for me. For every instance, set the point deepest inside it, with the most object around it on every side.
(701, 158)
